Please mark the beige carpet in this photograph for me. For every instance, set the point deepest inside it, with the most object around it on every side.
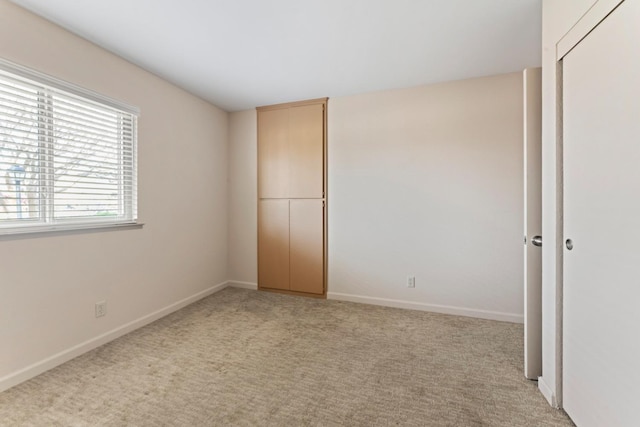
(253, 358)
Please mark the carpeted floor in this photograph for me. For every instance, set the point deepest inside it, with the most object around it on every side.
(243, 357)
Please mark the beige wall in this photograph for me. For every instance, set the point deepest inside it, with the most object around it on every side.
(558, 16)
(243, 196)
(49, 285)
(425, 181)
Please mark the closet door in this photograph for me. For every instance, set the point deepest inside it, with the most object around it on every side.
(601, 289)
(307, 245)
(306, 151)
(273, 244)
(273, 154)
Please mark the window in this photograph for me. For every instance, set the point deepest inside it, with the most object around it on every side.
(67, 155)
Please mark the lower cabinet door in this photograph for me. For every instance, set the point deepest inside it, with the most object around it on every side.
(273, 244)
(306, 245)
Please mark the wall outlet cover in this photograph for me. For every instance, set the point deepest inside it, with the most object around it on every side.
(101, 308)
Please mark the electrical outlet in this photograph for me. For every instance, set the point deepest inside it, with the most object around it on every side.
(411, 281)
(101, 308)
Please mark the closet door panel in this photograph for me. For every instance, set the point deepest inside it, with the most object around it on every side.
(306, 140)
(273, 244)
(307, 246)
(273, 154)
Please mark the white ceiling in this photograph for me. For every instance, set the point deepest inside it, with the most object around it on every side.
(239, 54)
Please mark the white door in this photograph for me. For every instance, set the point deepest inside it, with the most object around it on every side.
(601, 300)
(532, 223)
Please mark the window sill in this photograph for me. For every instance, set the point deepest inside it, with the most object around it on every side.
(62, 229)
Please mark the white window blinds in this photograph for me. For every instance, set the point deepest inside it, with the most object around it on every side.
(67, 156)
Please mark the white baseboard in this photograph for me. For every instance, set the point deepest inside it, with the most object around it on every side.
(547, 392)
(37, 368)
(243, 285)
(458, 311)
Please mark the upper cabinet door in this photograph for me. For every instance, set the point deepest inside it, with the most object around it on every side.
(306, 152)
(273, 154)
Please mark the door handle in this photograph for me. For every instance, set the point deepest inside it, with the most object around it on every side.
(537, 241)
(569, 244)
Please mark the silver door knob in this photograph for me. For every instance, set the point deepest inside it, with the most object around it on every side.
(537, 241)
(569, 244)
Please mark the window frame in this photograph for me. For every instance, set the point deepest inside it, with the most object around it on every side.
(129, 197)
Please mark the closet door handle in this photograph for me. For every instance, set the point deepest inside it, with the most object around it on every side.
(537, 241)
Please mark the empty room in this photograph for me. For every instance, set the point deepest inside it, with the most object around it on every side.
(327, 213)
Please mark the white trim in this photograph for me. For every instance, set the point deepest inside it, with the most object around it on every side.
(243, 285)
(44, 365)
(547, 392)
(445, 309)
(596, 14)
(8, 233)
(28, 73)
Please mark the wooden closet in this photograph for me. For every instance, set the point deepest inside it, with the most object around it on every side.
(291, 197)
